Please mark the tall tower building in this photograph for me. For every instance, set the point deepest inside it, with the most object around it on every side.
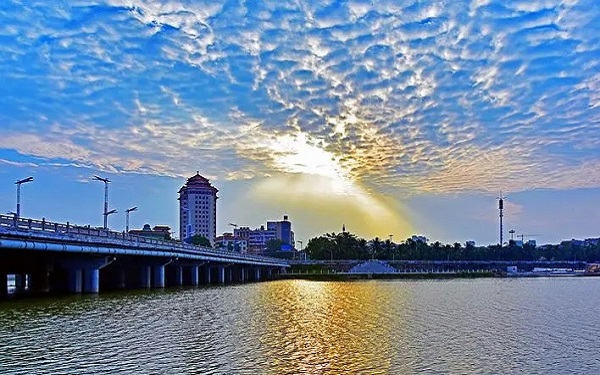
(198, 208)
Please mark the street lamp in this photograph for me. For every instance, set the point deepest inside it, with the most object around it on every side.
(127, 211)
(106, 212)
(110, 213)
(18, 183)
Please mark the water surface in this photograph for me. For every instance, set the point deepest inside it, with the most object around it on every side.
(482, 326)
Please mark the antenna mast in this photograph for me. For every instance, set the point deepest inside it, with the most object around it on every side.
(501, 208)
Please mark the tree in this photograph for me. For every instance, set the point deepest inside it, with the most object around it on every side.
(273, 246)
(200, 240)
(319, 248)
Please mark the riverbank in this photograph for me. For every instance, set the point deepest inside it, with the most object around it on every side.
(347, 276)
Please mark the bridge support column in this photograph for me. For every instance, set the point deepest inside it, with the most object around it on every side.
(178, 275)
(229, 275)
(121, 281)
(159, 277)
(206, 271)
(39, 281)
(269, 273)
(91, 282)
(20, 282)
(257, 274)
(221, 274)
(242, 274)
(84, 273)
(3, 285)
(194, 273)
(75, 283)
(145, 276)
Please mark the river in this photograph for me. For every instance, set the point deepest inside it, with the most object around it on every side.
(481, 326)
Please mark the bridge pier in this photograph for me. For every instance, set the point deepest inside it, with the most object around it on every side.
(84, 274)
(3, 285)
(20, 283)
(74, 282)
(178, 275)
(221, 274)
(145, 274)
(159, 276)
(242, 274)
(91, 283)
(121, 278)
(39, 281)
(257, 274)
(194, 275)
(206, 271)
(269, 273)
(229, 275)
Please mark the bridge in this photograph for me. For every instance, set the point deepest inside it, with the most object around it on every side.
(49, 257)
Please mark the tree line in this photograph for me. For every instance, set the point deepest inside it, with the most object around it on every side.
(345, 245)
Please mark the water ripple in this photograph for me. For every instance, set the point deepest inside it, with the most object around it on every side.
(498, 326)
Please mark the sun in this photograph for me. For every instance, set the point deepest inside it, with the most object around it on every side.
(301, 154)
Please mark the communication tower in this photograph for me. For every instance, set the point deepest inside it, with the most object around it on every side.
(501, 208)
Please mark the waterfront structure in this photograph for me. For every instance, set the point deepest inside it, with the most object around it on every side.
(45, 257)
(198, 209)
(162, 232)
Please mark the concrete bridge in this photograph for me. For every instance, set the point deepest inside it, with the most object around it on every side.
(47, 257)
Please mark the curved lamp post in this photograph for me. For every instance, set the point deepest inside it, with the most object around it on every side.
(127, 211)
(18, 183)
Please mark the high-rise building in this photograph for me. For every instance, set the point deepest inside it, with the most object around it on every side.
(198, 209)
(283, 229)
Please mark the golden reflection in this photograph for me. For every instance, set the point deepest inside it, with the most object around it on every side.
(330, 327)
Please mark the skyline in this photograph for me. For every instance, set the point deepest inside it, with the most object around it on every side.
(391, 118)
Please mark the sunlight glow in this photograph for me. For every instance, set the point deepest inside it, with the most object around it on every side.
(298, 154)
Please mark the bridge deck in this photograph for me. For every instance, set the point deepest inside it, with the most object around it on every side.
(41, 235)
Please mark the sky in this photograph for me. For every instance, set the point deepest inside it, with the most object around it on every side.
(392, 118)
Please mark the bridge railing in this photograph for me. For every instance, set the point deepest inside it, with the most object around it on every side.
(67, 229)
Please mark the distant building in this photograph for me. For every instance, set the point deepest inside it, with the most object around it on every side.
(283, 230)
(257, 238)
(228, 242)
(161, 232)
(198, 209)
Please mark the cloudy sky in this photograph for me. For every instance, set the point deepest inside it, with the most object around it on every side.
(391, 117)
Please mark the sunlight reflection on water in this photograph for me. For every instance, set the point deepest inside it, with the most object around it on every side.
(303, 327)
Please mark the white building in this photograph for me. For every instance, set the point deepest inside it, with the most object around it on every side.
(198, 209)
(228, 242)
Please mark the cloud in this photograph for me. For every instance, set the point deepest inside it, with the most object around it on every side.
(391, 96)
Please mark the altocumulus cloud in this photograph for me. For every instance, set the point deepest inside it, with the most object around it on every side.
(396, 96)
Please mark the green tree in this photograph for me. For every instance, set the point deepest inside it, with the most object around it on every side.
(273, 246)
(319, 248)
(200, 240)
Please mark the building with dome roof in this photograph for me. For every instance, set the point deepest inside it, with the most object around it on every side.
(198, 208)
